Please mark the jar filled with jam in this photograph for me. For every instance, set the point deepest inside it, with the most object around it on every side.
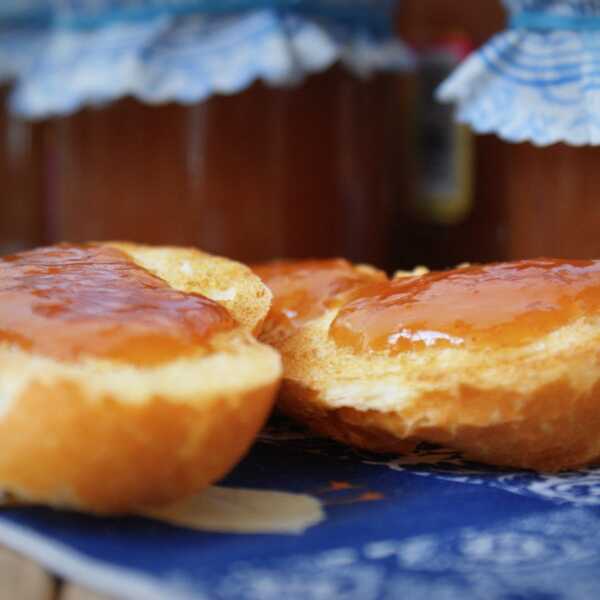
(531, 87)
(256, 133)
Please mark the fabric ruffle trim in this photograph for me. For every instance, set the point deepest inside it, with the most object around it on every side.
(538, 87)
(188, 59)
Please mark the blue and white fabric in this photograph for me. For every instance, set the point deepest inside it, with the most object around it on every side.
(424, 526)
(539, 81)
(23, 31)
(187, 50)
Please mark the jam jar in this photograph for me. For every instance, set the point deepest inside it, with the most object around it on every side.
(254, 134)
(529, 89)
(267, 172)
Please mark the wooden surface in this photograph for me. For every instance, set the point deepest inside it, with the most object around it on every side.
(70, 591)
(22, 579)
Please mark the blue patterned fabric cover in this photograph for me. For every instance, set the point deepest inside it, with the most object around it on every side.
(539, 81)
(436, 527)
(23, 29)
(95, 51)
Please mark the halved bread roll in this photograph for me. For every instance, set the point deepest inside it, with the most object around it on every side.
(499, 361)
(91, 424)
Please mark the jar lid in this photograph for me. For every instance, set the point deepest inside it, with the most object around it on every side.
(158, 51)
(539, 81)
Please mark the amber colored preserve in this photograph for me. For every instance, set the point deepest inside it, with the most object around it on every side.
(303, 290)
(71, 301)
(497, 305)
(530, 202)
(306, 171)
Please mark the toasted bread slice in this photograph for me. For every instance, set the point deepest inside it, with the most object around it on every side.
(535, 405)
(112, 437)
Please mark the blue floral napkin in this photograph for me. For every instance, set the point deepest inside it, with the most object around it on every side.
(427, 525)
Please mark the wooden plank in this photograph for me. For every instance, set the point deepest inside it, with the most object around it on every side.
(71, 591)
(22, 579)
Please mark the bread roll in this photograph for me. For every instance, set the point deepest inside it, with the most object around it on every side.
(120, 386)
(499, 361)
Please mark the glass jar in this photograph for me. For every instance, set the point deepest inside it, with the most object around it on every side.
(20, 181)
(530, 83)
(314, 170)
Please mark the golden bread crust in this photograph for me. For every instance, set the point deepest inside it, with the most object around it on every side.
(556, 429)
(111, 437)
(110, 457)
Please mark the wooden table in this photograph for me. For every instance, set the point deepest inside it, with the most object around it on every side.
(22, 579)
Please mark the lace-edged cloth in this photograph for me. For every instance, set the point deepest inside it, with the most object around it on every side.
(158, 51)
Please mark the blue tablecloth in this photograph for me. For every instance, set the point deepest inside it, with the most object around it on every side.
(429, 525)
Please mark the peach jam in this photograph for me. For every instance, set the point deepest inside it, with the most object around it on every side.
(496, 305)
(72, 300)
(303, 290)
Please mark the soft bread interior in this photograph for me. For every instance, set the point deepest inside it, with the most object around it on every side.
(378, 381)
(235, 363)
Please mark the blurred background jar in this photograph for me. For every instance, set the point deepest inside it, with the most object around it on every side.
(22, 27)
(534, 88)
(288, 131)
(256, 133)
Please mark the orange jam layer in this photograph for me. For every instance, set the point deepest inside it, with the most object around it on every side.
(67, 301)
(303, 290)
(497, 305)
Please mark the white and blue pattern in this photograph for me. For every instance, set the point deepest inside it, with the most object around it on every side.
(18, 47)
(23, 31)
(186, 50)
(538, 81)
(442, 529)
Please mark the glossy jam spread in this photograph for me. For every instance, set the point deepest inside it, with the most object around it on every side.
(67, 301)
(498, 305)
(303, 290)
